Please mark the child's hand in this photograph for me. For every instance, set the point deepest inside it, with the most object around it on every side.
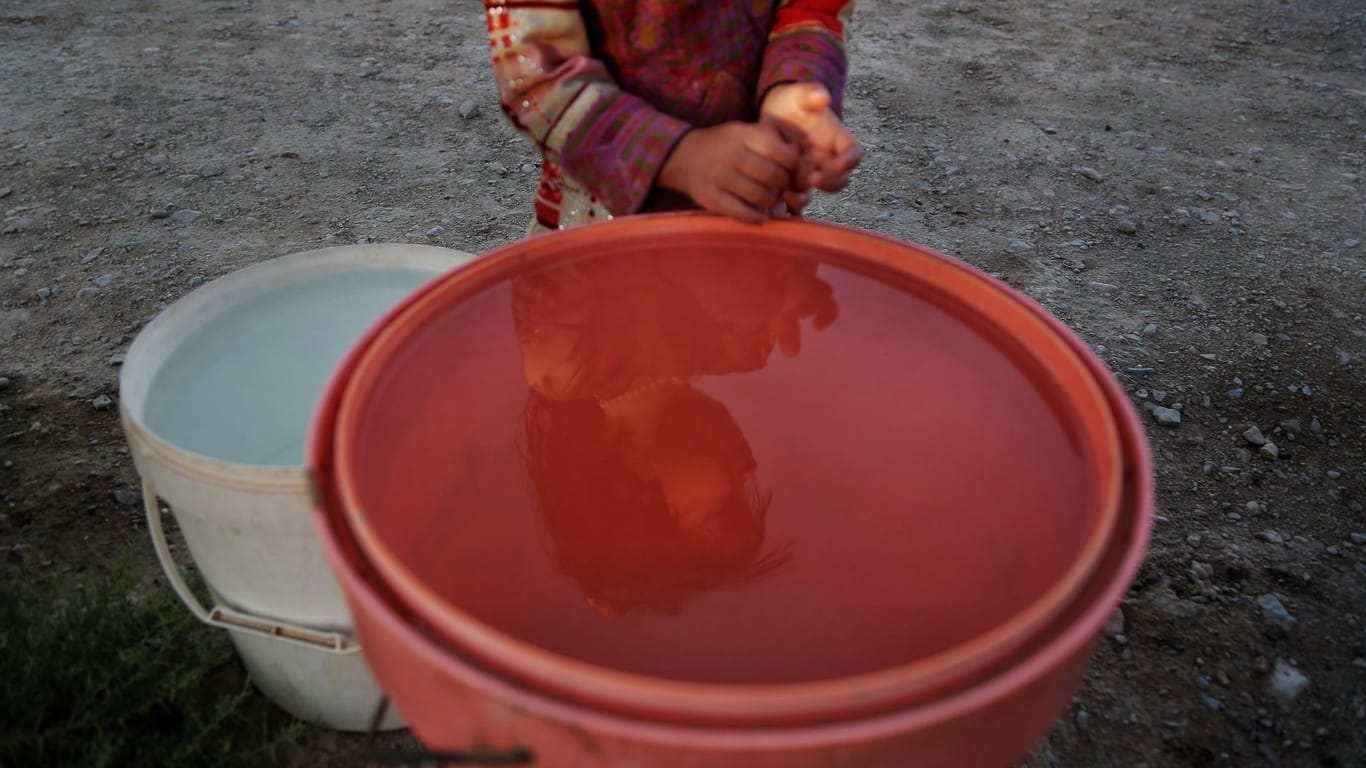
(737, 169)
(802, 113)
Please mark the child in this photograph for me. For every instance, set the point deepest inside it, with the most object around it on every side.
(639, 105)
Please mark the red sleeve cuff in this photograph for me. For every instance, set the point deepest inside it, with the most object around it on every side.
(805, 56)
(617, 150)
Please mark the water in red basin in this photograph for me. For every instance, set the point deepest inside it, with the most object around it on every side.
(751, 470)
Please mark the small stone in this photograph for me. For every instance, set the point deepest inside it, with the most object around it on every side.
(5, 192)
(196, 281)
(1200, 572)
(1126, 226)
(1271, 537)
(125, 497)
(1244, 455)
(16, 225)
(1020, 245)
(1254, 436)
(1193, 540)
(44, 293)
(1259, 339)
(1333, 474)
(4, 383)
(1270, 451)
(1350, 242)
(1103, 287)
(1292, 426)
(117, 358)
(1315, 426)
(435, 231)
(1236, 393)
(1168, 416)
(102, 403)
(76, 341)
(104, 281)
(1115, 626)
(1273, 610)
(1358, 538)
(468, 110)
(157, 159)
(1286, 682)
(1252, 507)
(212, 170)
(1150, 329)
(92, 255)
(1092, 174)
(185, 216)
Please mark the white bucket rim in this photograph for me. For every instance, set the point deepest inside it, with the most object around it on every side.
(204, 304)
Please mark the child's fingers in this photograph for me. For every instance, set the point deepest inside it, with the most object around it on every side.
(796, 201)
(755, 193)
(769, 143)
(766, 172)
(728, 204)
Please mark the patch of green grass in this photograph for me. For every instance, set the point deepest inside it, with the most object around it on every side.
(93, 674)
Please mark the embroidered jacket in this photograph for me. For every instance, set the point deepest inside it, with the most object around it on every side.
(606, 88)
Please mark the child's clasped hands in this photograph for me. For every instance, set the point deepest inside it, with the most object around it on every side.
(751, 171)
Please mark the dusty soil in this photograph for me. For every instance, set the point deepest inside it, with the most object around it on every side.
(1180, 182)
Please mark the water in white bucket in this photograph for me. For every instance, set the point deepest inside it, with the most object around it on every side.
(243, 387)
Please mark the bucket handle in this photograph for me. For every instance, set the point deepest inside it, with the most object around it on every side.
(226, 618)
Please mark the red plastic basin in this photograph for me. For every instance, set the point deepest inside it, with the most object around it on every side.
(454, 703)
(581, 463)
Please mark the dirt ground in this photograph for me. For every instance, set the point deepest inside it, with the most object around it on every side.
(1179, 182)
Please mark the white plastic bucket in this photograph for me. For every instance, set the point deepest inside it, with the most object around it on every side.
(215, 397)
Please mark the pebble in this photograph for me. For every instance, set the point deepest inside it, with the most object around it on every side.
(104, 281)
(1194, 539)
(436, 230)
(1286, 682)
(125, 497)
(185, 216)
(5, 192)
(1260, 339)
(1126, 226)
(1271, 537)
(1103, 287)
(1333, 474)
(1358, 538)
(1092, 174)
(1270, 451)
(4, 383)
(1150, 329)
(1273, 610)
(1350, 242)
(1292, 426)
(1168, 416)
(102, 403)
(468, 110)
(117, 358)
(157, 159)
(1315, 426)
(1252, 507)
(1236, 393)
(1020, 245)
(1115, 626)
(92, 255)
(1254, 436)
(16, 225)
(43, 293)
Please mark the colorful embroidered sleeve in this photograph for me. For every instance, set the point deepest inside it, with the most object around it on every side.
(553, 90)
(806, 44)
